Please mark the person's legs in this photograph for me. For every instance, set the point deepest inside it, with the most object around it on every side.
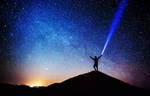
(94, 67)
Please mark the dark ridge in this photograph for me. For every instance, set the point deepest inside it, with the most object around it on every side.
(15, 90)
(93, 83)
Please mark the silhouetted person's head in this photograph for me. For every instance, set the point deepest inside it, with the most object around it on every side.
(95, 56)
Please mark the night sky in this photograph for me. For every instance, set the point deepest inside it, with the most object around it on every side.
(48, 41)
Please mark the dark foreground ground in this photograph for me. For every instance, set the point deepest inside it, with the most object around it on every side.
(89, 84)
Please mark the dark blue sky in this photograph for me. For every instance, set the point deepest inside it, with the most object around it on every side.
(47, 41)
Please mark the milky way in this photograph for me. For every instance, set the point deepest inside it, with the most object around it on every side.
(51, 40)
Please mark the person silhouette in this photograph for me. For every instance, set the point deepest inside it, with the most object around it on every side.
(95, 66)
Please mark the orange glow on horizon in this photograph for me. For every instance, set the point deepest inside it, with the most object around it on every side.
(35, 84)
(40, 83)
(40, 79)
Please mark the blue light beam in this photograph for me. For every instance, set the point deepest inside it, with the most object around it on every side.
(115, 22)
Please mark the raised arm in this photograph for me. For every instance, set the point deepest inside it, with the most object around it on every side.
(100, 56)
(91, 57)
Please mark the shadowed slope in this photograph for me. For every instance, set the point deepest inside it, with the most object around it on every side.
(92, 83)
(16, 90)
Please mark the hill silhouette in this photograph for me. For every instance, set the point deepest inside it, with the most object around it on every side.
(93, 83)
(16, 90)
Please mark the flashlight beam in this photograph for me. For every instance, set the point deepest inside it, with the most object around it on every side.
(115, 22)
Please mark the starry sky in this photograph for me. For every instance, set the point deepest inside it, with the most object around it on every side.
(48, 41)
